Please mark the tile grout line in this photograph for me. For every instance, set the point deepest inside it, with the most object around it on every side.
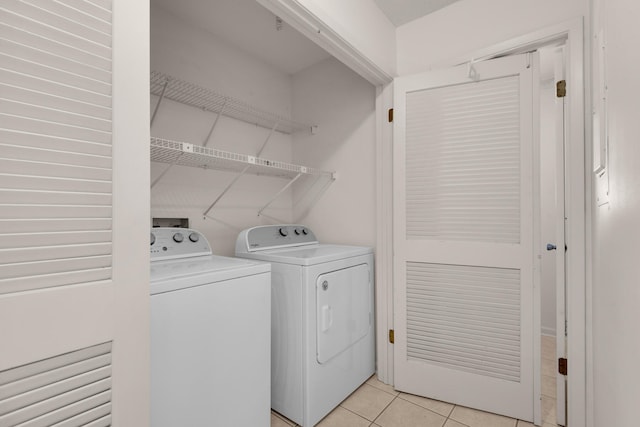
(449, 417)
(419, 406)
(354, 413)
(437, 413)
(283, 418)
(385, 408)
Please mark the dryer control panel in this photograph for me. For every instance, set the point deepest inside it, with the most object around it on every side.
(169, 243)
(274, 236)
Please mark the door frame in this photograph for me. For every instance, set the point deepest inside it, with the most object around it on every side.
(578, 186)
(577, 192)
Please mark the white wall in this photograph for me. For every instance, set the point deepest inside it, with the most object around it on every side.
(548, 206)
(469, 25)
(342, 104)
(184, 51)
(616, 266)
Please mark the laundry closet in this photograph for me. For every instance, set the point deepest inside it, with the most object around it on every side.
(253, 124)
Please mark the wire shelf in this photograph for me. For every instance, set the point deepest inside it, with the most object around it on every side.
(185, 154)
(210, 100)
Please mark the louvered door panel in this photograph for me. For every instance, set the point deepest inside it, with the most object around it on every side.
(55, 143)
(462, 162)
(465, 317)
(72, 389)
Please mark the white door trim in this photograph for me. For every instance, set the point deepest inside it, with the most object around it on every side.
(131, 219)
(384, 233)
(578, 230)
(560, 124)
(579, 233)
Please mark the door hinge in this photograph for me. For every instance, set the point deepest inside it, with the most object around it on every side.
(561, 89)
(391, 339)
(390, 115)
(562, 366)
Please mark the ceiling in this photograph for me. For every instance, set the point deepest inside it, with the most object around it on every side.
(251, 28)
(402, 11)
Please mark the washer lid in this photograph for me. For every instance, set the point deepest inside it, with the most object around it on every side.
(308, 254)
(200, 270)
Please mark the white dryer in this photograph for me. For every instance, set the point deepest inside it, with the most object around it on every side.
(322, 330)
(210, 335)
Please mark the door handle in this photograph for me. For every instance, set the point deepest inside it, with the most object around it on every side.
(551, 247)
(327, 318)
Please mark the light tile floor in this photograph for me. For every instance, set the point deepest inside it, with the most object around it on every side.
(376, 404)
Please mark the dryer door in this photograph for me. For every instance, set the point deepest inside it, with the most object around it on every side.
(342, 310)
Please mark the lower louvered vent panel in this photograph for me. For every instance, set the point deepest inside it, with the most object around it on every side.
(465, 318)
(73, 389)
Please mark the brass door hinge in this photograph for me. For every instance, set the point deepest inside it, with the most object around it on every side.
(391, 339)
(390, 115)
(562, 366)
(561, 89)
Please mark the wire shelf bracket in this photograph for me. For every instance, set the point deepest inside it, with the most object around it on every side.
(161, 97)
(282, 190)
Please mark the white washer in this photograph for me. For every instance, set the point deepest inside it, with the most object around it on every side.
(210, 335)
(322, 334)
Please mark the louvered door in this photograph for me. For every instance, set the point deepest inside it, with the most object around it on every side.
(463, 235)
(65, 278)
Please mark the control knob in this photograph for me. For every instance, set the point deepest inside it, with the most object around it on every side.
(297, 231)
(178, 237)
(194, 237)
(153, 239)
(283, 232)
(304, 231)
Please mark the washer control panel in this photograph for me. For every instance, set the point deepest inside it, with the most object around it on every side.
(168, 243)
(272, 236)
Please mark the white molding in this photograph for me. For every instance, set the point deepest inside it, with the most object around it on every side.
(131, 213)
(384, 234)
(323, 33)
(545, 36)
(578, 158)
(537, 243)
(578, 161)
